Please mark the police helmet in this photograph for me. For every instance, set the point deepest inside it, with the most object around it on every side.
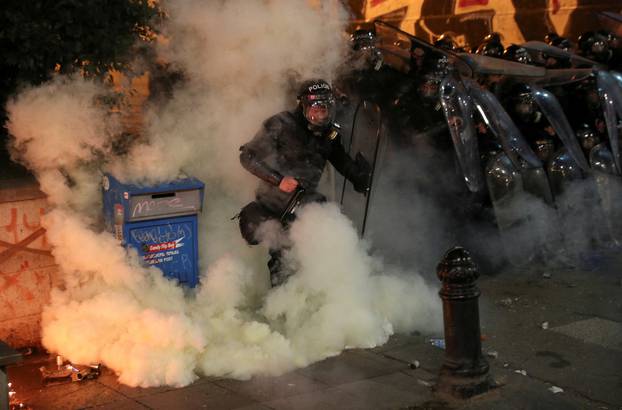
(491, 46)
(317, 102)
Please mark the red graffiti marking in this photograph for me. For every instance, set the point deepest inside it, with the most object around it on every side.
(18, 245)
(10, 280)
(556, 6)
(26, 294)
(471, 3)
(12, 226)
(374, 3)
(41, 278)
(13, 281)
(36, 225)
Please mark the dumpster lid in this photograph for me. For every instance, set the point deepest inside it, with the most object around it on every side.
(181, 184)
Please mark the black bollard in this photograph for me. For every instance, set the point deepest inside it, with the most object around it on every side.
(464, 372)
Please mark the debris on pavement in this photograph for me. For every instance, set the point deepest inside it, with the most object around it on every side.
(440, 343)
(424, 383)
(415, 364)
(546, 275)
(506, 302)
(492, 354)
(555, 389)
(14, 402)
(68, 372)
(544, 325)
(523, 372)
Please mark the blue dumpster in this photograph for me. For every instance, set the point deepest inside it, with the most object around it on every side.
(160, 221)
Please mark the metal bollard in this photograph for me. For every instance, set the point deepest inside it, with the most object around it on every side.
(464, 372)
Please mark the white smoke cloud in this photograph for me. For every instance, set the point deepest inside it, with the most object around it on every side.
(59, 128)
(239, 58)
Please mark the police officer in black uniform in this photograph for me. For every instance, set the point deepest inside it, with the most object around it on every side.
(289, 154)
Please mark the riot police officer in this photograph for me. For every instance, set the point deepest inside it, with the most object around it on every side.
(288, 154)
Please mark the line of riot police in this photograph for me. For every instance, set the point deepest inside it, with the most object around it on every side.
(533, 129)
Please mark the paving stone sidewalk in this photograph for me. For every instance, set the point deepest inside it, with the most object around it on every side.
(579, 350)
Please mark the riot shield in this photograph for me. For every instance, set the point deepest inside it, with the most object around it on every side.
(496, 66)
(555, 115)
(458, 113)
(368, 140)
(398, 47)
(617, 76)
(538, 50)
(514, 145)
(611, 99)
(523, 221)
(562, 76)
(611, 21)
(609, 187)
(395, 47)
(562, 170)
(601, 159)
(502, 126)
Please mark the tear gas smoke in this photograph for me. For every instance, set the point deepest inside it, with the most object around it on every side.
(60, 128)
(238, 58)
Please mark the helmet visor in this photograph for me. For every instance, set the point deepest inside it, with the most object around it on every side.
(319, 111)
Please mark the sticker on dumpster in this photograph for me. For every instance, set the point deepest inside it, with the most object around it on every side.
(162, 252)
(165, 246)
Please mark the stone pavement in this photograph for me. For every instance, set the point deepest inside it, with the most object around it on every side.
(580, 351)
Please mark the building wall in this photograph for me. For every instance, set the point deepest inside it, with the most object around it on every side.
(471, 20)
(27, 268)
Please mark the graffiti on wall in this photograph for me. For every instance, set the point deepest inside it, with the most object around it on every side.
(25, 260)
(471, 20)
(22, 235)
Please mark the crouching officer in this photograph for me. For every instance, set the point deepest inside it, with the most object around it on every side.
(289, 154)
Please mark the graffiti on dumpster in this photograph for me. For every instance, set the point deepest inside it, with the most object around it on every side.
(161, 234)
(152, 206)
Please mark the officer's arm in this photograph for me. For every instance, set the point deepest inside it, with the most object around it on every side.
(356, 172)
(253, 155)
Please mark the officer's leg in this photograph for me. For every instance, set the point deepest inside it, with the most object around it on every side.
(251, 217)
(275, 267)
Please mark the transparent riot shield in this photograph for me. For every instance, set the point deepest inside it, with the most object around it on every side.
(609, 186)
(458, 113)
(539, 50)
(522, 219)
(562, 170)
(397, 48)
(366, 140)
(617, 76)
(513, 143)
(496, 66)
(502, 126)
(553, 112)
(611, 99)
